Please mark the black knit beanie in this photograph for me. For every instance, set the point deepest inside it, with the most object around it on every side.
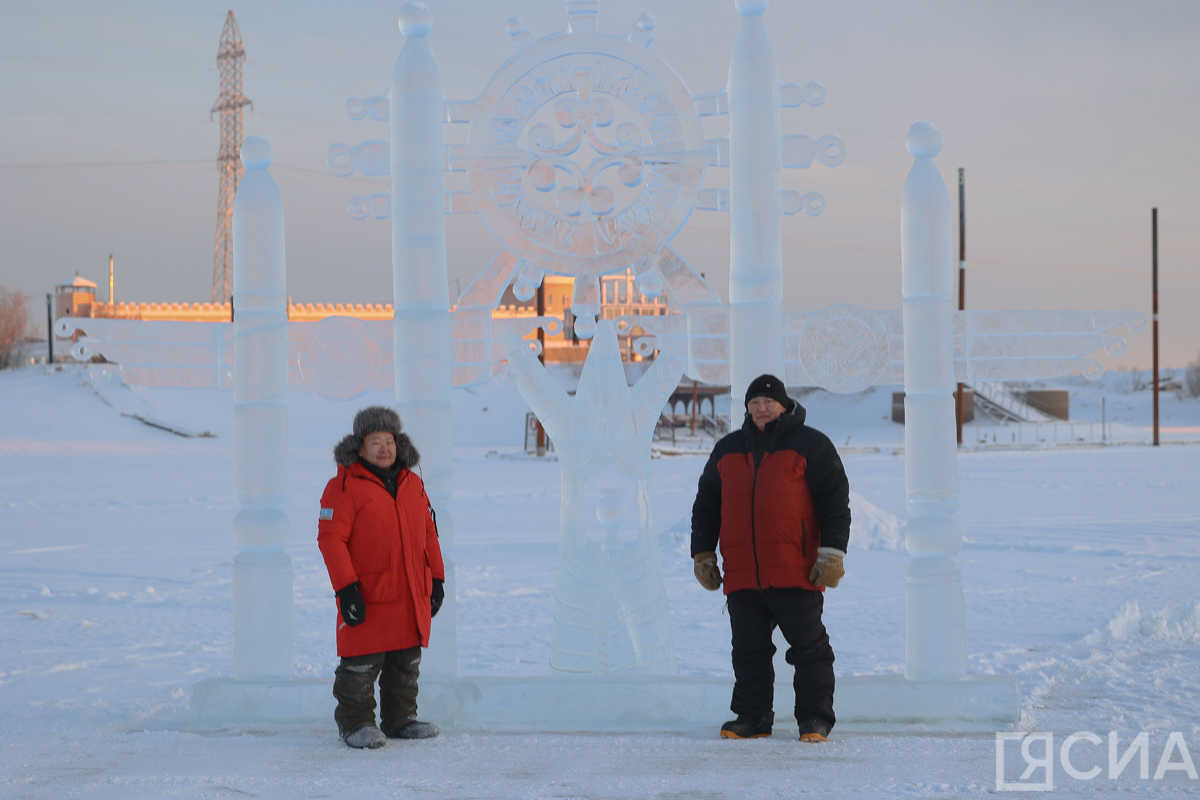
(768, 386)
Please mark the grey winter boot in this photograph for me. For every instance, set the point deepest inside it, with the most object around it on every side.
(368, 737)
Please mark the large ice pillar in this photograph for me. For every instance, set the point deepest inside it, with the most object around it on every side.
(610, 600)
(935, 632)
(263, 638)
(422, 294)
(756, 230)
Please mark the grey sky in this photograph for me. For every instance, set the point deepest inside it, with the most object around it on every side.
(1072, 119)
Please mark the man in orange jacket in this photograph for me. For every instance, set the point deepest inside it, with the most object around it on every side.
(774, 496)
(380, 545)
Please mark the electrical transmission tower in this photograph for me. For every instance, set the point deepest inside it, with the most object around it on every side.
(230, 56)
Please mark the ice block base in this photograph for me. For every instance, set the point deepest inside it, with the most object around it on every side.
(869, 703)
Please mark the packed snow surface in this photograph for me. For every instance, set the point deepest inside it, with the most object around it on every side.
(116, 551)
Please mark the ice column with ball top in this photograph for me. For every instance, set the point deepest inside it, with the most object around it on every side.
(422, 295)
(755, 206)
(263, 638)
(935, 633)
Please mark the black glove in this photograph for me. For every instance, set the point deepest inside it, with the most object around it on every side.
(350, 602)
(435, 599)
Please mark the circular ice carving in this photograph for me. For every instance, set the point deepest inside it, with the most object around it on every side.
(585, 153)
(340, 159)
(813, 203)
(339, 357)
(649, 283)
(844, 348)
(814, 93)
(585, 326)
(831, 150)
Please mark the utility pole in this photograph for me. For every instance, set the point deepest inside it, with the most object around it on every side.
(230, 57)
(541, 336)
(1154, 310)
(962, 284)
(50, 325)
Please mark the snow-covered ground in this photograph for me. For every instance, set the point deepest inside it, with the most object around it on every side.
(115, 567)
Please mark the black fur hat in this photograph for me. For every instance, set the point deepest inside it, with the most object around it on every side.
(376, 419)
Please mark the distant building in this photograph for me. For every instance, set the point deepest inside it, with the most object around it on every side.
(618, 297)
(74, 298)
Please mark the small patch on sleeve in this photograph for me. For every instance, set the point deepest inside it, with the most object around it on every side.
(326, 513)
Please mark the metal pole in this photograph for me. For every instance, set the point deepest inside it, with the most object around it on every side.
(1154, 312)
(110, 279)
(962, 289)
(695, 399)
(50, 325)
(541, 335)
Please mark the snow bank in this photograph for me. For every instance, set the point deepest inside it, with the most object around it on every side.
(1170, 622)
(872, 528)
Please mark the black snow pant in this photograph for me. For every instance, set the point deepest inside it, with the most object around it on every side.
(354, 688)
(753, 615)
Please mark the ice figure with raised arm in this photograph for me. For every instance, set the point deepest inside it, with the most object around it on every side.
(610, 601)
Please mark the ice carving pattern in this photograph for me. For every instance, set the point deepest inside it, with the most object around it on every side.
(584, 154)
(844, 348)
(340, 357)
(610, 603)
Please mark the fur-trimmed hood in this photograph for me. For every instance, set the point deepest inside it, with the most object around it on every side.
(371, 420)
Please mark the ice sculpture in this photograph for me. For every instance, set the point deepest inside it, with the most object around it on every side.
(263, 638)
(585, 155)
(422, 298)
(756, 155)
(610, 602)
(935, 627)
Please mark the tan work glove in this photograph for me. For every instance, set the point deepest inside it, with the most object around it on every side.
(707, 571)
(828, 570)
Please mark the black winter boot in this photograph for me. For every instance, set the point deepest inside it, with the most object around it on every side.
(747, 727)
(813, 730)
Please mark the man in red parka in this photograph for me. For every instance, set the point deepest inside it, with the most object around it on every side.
(774, 496)
(380, 545)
